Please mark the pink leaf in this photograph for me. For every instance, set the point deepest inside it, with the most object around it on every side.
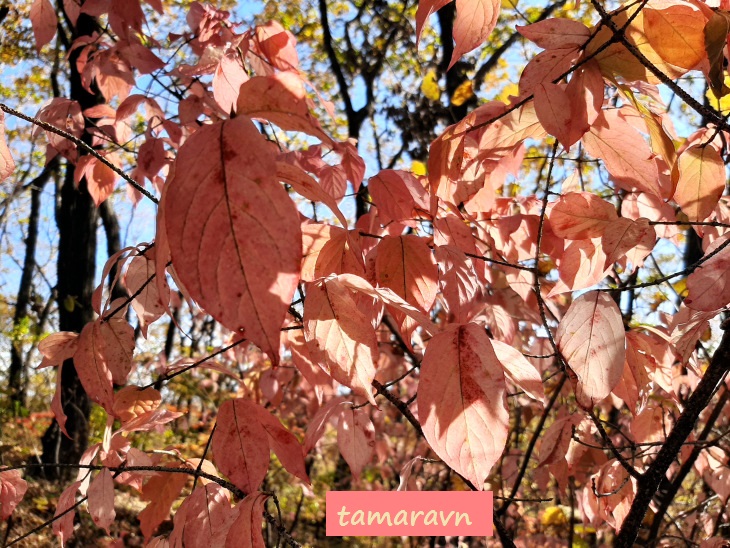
(581, 215)
(241, 445)
(64, 525)
(475, 20)
(462, 401)
(12, 490)
(518, 370)
(161, 490)
(284, 444)
(246, 529)
(556, 33)
(233, 232)
(57, 348)
(104, 355)
(281, 99)
(227, 81)
(709, 285)
(7, 165)
(316, 427)
(591, 337)
(57, 404)
(340, 337)
(355, 438)
(425, 9)
(406, 265)
(627, 155)
(44, 21)
(553, 109)
(459, 284)
(396, 194)
(554, 443)
(626, 235)
(148, 304)
(101, 499)
(203, 519)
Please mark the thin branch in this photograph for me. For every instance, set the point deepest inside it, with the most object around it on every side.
(80, 144)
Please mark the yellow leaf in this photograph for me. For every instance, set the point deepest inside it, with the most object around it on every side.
(553, 516)
(677, 35)
(418, 168)
(680, 287)
(616, 60)
(723, 103)
(462, 94)
(509, 4)
(430, 86)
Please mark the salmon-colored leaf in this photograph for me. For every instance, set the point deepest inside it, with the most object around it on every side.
(396, 194)
(44, 21)
(161, 490)
(241, 444)
(553, 109)
(340, 337)
(556, 33)
(355, 438)
(475, 20)
(284, 444)
(131, 402)
(104, 356)
(12, 490)
(591, 337)
(101, 499)
(64, 526)
(7, 164)
(462, 403)
(709, 285)
(518, 370)
(406, 265)
(233, 232)
(57, 348)
(581, 215)
(148, 303)
(282, 100)
(246, 527)
(626, 154)
(625, 235)
(425, 9)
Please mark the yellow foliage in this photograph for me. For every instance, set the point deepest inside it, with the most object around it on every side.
(430, 86)
(418, 168)
(462, 94)
(553, 516)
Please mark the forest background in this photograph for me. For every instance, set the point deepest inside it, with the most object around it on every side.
(528, 299)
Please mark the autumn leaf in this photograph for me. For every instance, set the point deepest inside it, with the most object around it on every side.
(462, 401)
(340, 337)
(44, 22)
(215, 218)
(591, 338)
(701, 182)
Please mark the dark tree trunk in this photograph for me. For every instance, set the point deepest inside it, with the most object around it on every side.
(16, 373)
(77, 221)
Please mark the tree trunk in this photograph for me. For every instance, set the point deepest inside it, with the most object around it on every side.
(16, 372)
(77, 221)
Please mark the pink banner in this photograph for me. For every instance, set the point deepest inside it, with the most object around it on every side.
(409, 513)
